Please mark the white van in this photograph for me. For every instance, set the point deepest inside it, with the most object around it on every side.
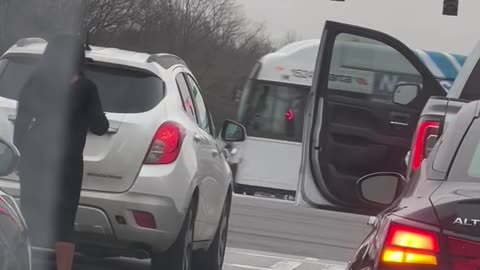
(273, 103)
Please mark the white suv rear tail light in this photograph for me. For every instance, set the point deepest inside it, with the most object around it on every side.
(166, 144)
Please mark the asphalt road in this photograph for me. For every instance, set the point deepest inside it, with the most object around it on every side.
(280, 226)
(270, 234)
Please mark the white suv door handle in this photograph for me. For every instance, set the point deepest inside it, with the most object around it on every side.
(112, 130)
(197, 138)
(12, 118)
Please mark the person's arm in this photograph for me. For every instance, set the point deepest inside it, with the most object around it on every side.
(98, 122)
(24, 117)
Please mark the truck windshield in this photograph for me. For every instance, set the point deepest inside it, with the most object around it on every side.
(274, 111)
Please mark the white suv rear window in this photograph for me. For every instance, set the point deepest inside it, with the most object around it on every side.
(121, 90)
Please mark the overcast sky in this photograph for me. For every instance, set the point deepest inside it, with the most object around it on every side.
(418, 23)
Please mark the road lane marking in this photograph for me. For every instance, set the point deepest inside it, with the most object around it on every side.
(246, 266)
(263, 199)
(286, 265)
(309, 260)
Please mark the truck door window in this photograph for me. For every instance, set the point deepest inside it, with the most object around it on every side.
(362, 66)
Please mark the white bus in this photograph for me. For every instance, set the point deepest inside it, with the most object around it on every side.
(274, 98)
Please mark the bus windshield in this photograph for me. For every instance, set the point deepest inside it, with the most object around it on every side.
(274, 110)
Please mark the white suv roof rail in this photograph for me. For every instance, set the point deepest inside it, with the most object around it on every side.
(29, 41)
(166, 60)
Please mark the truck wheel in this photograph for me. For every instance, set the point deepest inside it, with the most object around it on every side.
(179, 255)
(213, 258)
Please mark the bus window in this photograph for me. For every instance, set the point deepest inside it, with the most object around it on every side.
(274, 111)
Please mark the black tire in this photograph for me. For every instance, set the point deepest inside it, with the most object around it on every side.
(213, 258)
(179, 255)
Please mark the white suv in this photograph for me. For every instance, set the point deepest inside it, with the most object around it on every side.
(157, 185)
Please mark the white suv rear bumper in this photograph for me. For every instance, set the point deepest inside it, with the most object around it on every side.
(110, 217)
(106, 219)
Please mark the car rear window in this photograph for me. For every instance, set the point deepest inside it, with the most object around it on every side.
(470, 90)
(466, 166)
(121, 90)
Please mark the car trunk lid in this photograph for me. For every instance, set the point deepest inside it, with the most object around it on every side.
(457, 207)
(130, 98)
(113, 161)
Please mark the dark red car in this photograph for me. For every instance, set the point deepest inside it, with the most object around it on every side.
(433, 218)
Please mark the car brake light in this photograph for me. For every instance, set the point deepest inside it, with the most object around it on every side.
(166, 144)
(407, 245)
(427, 130)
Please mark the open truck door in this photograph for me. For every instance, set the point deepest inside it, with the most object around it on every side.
(362, 114)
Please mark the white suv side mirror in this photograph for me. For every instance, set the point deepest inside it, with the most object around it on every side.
(233, 132)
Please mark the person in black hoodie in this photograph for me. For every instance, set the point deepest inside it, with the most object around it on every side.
(57, 107)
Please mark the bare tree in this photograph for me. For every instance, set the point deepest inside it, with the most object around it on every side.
(37, 18)
(217, 41)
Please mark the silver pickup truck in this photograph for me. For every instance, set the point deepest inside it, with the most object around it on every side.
(439, 112)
